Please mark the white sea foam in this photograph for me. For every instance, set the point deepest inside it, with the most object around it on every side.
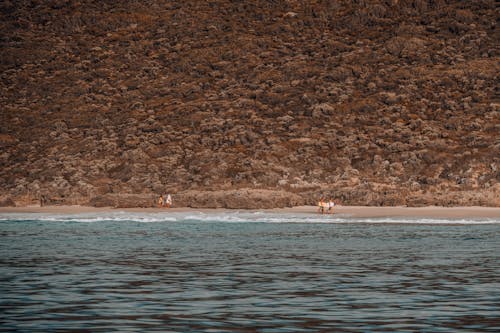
(232, 217)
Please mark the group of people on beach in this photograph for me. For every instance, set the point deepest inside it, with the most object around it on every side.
(326, 206)
(165, 201)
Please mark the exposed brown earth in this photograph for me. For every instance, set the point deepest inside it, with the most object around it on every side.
(245, 104)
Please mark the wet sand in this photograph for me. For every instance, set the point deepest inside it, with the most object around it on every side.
(354, 211)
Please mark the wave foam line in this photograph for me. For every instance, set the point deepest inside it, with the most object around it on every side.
(229, 217)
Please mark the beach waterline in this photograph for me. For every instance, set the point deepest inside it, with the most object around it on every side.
(243, 272)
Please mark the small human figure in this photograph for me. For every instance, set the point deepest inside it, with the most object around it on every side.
(168, 201)
(160, 201)
(321, 205)
(42, 200)
(331, 204)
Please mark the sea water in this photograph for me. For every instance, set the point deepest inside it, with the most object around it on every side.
(247, 272)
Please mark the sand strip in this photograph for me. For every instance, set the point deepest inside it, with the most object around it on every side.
(354, 211)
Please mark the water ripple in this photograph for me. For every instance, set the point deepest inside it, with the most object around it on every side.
(59, 274)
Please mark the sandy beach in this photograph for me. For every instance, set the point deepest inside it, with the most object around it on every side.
(353, 211)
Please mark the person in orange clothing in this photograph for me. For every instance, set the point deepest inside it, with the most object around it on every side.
(321, 205)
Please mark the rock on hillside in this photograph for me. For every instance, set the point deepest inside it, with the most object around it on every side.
(374, 102)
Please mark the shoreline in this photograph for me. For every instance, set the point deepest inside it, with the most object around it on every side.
(351, 211)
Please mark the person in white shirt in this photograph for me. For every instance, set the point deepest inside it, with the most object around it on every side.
(331, 204)
(168, 201)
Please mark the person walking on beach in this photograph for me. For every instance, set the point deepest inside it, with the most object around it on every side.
(331, 204)
(160, 201)
(42, 200)
(168, 201)
(321, 205)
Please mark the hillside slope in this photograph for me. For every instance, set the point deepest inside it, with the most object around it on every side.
(373, 102)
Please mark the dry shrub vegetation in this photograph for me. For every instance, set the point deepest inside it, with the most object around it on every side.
(375, 102)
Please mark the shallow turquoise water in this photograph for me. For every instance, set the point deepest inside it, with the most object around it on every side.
(247, 272)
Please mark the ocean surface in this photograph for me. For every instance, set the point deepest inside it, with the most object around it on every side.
(247, 272)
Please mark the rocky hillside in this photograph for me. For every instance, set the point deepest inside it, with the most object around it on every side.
(377, 102)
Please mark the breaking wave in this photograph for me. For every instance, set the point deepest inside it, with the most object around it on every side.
(232, 217)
